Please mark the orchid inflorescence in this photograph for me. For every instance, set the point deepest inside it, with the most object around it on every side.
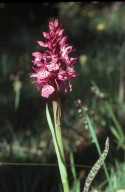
(53, 67)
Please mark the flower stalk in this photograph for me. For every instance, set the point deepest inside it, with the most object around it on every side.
(57, 139)
(58, 134)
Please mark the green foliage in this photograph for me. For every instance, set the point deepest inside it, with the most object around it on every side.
(117, 177)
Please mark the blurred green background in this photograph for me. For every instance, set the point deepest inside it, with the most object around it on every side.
(97, 32)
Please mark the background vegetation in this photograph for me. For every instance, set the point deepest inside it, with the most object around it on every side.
(27, 156)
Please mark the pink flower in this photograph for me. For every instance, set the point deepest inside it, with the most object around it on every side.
(47, 90)
(53, 67)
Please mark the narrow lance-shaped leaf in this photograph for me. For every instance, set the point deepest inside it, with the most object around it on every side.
(59, 157)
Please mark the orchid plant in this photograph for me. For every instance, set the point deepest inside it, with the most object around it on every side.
(53, 69)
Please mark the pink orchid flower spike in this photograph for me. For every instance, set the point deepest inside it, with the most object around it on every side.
(54, 66)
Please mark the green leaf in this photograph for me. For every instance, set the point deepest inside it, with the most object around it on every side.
(60, 160)
(76, 184)
(115, 133)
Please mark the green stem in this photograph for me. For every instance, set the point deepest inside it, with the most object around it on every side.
(58, 134)
(56, 111)
(66, 187)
